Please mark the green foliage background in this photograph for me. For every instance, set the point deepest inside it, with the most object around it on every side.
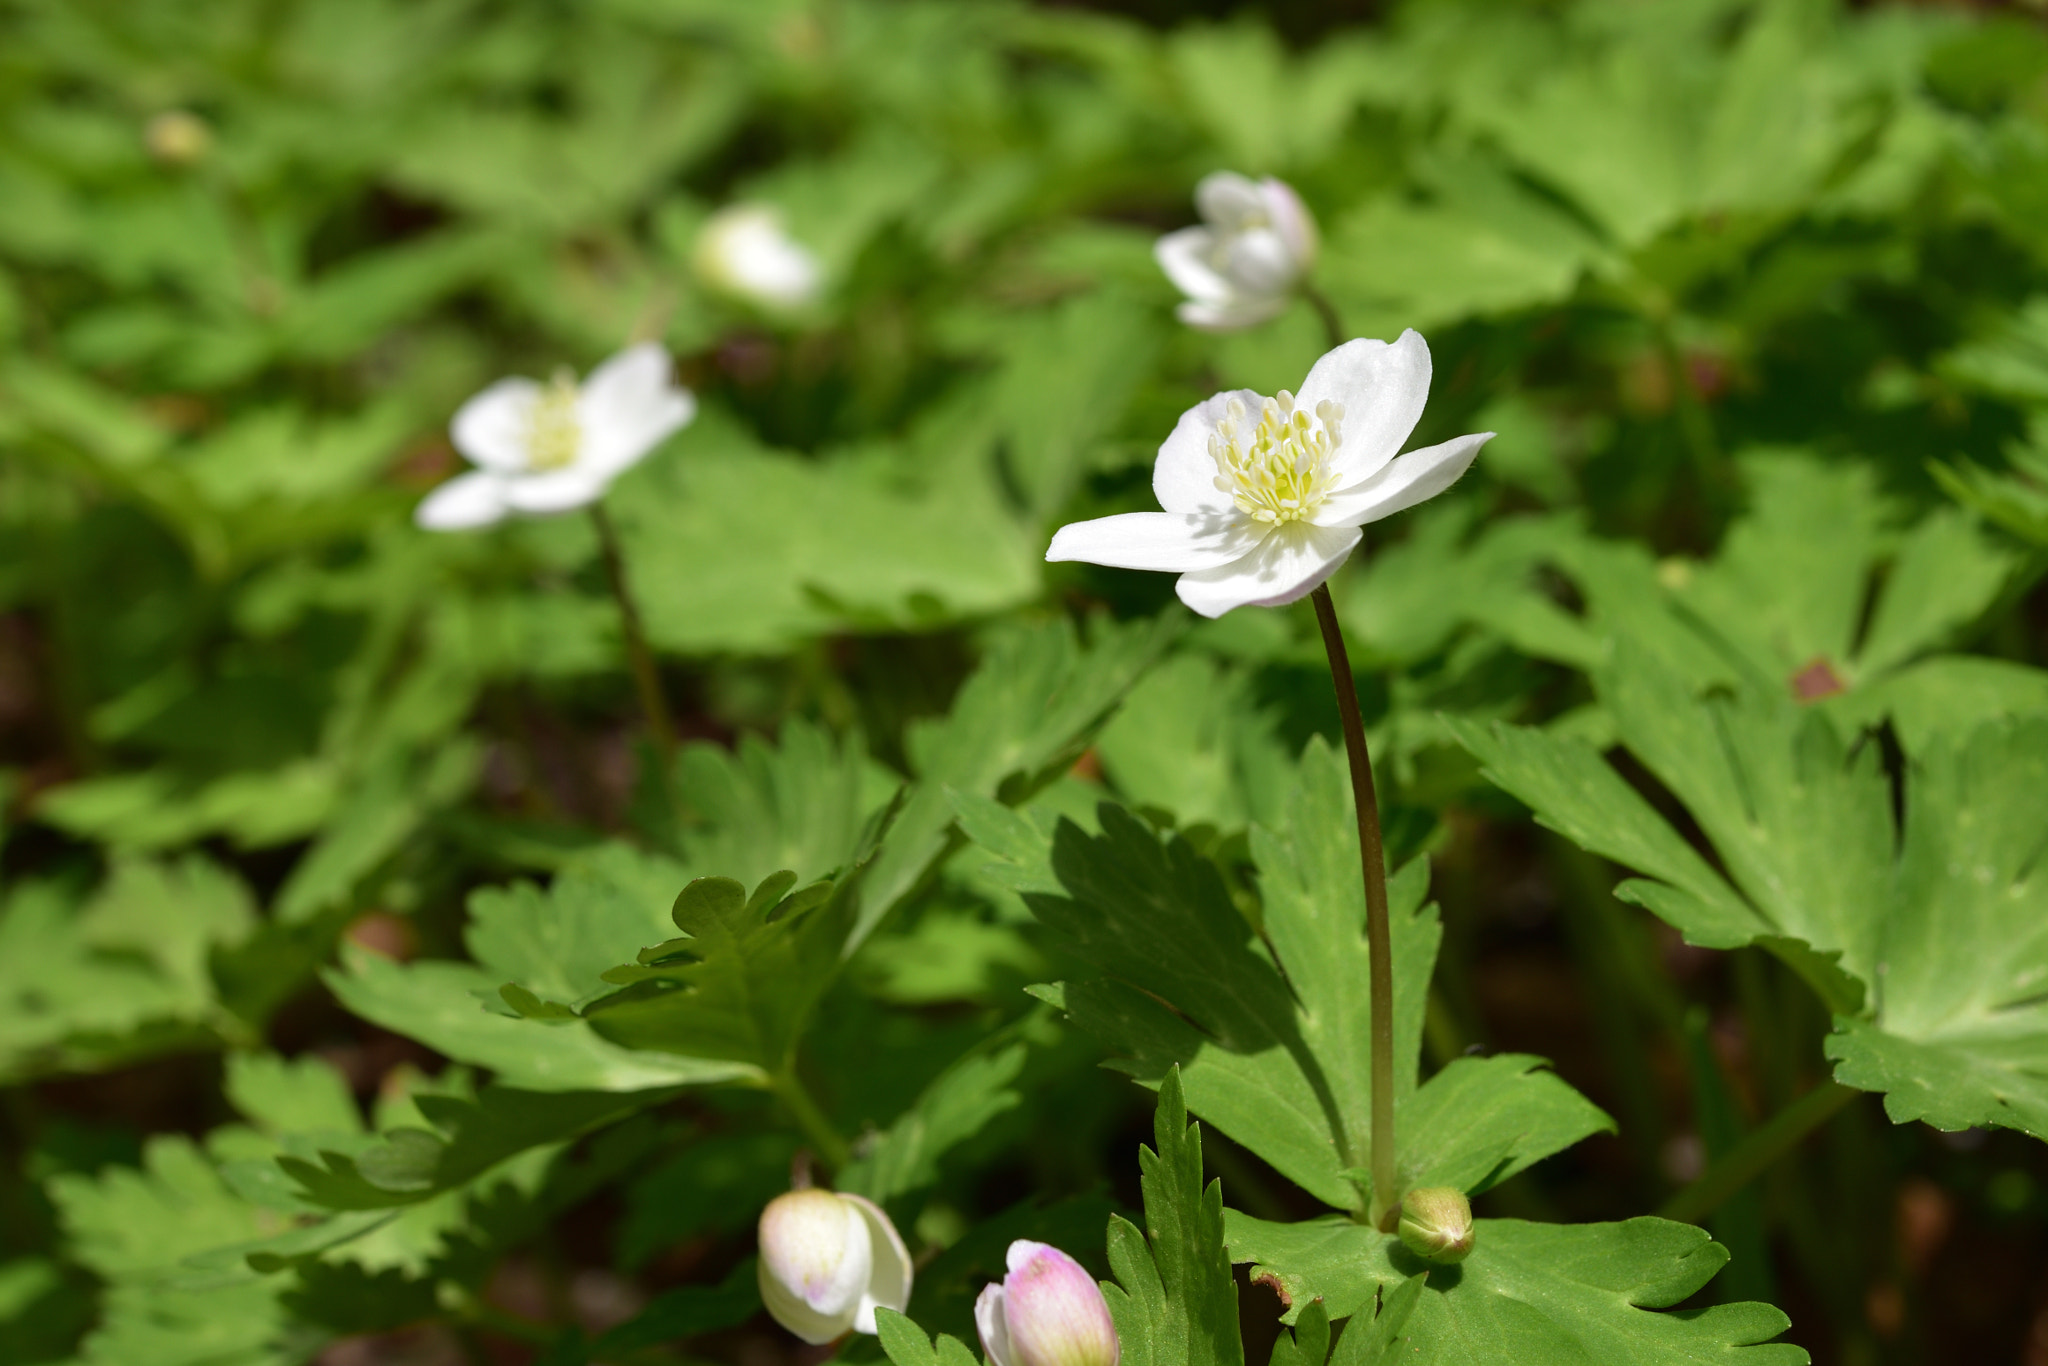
(348, 1008)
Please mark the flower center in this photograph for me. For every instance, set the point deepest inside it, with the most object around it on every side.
(553, 435)
(1277, 470)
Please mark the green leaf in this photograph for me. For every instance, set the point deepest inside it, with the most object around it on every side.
(1174, 1301)
(808, 800)
(733, 547)
(1021, 720)
(127, 975)
(291, 1095)
(740, 985)
(469, 1137)
(953, 1109)
(1529, 1293)
(1308, 1344)
(1482, 1120)
(1092, 350)
(1191, 740)
(1960, 1023)
(1380, 1341)
(802, 804)
(1778, 600)
(1269, 1037)
(1928, 946)
(906, 1344)
(1803, 826)
(441, 1005)
(133, 1227)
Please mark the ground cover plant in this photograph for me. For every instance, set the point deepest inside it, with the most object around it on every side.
(591, 771)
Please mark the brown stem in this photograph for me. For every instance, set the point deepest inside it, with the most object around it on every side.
(1386, 1191)
(645, 677)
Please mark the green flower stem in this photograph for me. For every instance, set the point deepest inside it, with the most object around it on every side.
(1379, 940)
(830, 1147)
(1757, 1151)
(1333, 326)
(645, 678)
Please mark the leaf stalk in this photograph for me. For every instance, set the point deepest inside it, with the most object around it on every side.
(645, 677)
(830, 1147)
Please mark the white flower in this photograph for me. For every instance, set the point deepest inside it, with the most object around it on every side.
(1047, 1312)
(542, 448)
(744, 250)
(1240, 268)
(828, 1261)
(1264, 496)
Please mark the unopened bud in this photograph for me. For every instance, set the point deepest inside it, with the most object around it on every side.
(828, 1261)
(1047, 1312)
(1436, 1224)
(177, 137)
(744, 250)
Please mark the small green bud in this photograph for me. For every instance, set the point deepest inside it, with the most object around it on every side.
(1436, 1224)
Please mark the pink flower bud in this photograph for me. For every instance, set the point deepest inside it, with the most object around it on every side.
(1047, 1312)
(828, 1261)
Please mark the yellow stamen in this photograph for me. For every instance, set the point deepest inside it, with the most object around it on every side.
(553, 435)
(1280, 470)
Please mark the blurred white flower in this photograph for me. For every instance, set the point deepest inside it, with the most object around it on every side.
(542, 448)
(745, 251)
(1240, 267)
(1047, 1312)
(828, 1261)
(1263, 497)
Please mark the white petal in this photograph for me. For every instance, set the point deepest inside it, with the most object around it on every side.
(994, 1329)
(490, 429)
(1382, 388)
(468, 500)
(1410, 479)
(1291, 220)
(1287, 565)
(1184, 475)
(632, 378)
(629, 407)
(555, 491)
(1259, 263)
(1172, 541)
(1229, 200)
(889, 1278)
(1184, 256)
(1242, 312)
(799, 1318)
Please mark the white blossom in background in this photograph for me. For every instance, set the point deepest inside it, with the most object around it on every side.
(1264, 497)
(1240, 267)
(1047, 1312)
(545, 448)
(828, 1261)
(745, 251)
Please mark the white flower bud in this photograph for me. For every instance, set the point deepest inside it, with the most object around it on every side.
(828, 1261)
(745, 251)
(1047, 1312)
